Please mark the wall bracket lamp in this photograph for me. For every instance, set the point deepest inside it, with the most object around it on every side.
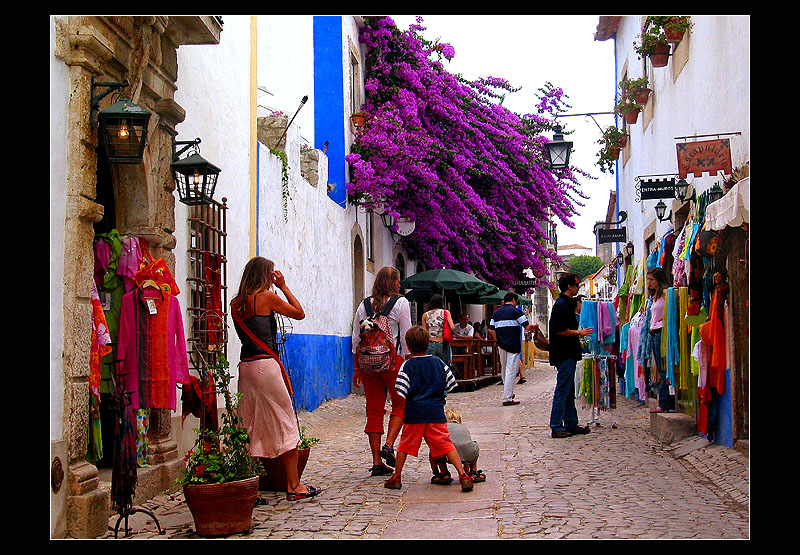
(195, 177)
(122, 127)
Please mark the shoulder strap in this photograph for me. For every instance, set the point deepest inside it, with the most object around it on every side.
(389, 305)
(368, 308)
(263, 346)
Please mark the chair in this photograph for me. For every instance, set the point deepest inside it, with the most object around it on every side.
(489, 360)
(463, 358)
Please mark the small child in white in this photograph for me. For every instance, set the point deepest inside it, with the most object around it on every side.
(424, 380)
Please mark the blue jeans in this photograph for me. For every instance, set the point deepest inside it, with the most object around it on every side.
(441, 350)
(563, 415)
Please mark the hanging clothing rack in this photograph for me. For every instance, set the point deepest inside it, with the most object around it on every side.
(595, 419)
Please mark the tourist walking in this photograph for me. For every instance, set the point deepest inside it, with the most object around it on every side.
(507, 322)
(385, 290)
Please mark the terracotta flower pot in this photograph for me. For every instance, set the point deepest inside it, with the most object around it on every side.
(642, 96)
(222, 509)
(275, 475)
(632, 116)
(613, 152)
(358, 119)
(623, 141)
(659, 57)
(672, 35)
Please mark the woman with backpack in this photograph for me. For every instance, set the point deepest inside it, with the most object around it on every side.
(385, 317)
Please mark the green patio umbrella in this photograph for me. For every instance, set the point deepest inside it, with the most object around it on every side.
(448, 280)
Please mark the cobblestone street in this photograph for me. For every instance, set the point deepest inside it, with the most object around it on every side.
(616, 482)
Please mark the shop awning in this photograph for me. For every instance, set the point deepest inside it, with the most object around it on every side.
(731, 210)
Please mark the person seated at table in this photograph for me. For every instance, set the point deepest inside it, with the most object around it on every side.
(464, 329)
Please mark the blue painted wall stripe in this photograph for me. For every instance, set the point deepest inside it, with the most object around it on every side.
(320, 367)
(329, 101)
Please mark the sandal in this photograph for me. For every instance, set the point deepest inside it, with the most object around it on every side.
(466, 482)
(442, 479)
(380, 470)
(296, 495)
(477, 476)
(387, 454)
(393, 483)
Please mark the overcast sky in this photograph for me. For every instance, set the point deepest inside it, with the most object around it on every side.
(527, 51)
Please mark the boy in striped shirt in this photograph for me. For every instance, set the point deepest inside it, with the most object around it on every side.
(423, 381)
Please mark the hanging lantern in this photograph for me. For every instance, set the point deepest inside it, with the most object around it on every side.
(195, 179)
(123, 131)
(558, 150)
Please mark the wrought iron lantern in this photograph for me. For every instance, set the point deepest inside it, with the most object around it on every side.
(660, 209)
(122, 127)
(558, 150)
(195, 177)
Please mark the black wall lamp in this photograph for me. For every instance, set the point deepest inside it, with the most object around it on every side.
(558, 150)
(195, 177)
(660, 209)
(122, 126)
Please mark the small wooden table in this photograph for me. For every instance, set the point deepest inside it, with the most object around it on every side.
(463, 357)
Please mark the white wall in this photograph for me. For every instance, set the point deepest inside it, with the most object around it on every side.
(59, 98)
(710, 95)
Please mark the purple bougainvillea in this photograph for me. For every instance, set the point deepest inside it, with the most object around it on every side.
(443, 151)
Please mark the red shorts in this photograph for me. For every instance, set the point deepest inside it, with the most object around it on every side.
(436, 437)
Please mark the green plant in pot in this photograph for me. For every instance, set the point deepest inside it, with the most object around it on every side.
(653, 43)
(674, 26)
(273, 477)
(628, 109)
(636, 90)
(220, 480)
(612, 140)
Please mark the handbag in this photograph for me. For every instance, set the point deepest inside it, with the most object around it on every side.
(541, 342)
(263, 346)
(447, 331)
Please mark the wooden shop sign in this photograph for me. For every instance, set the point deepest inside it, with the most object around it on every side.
(704, 156)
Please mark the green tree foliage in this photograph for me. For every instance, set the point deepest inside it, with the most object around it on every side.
(584, 265)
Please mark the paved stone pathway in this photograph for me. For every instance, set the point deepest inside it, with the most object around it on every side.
(616, 482)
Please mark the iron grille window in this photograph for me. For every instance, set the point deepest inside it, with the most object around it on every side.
(207, 283)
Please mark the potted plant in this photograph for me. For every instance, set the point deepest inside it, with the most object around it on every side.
(220, 480)
(612, 140)
(636, 90)
(653, 43)
(273, 477)
(629, 110)
(675, 26)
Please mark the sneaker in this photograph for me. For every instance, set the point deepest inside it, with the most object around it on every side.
(466, 482)
(393, 483)
(561, 434)
(387, 454)
(580, 430)
(510, 403)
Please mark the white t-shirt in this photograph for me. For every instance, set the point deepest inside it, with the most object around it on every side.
(464, 332)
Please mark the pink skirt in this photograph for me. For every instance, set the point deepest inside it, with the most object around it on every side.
(266, 409)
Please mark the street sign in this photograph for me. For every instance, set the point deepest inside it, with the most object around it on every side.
(657, 188)
(704, 156)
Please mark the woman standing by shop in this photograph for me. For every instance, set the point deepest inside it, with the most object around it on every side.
(377, 386)
(266, 406)
(434, 321)
(657, 285)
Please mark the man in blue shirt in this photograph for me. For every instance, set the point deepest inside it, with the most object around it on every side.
(506, 323)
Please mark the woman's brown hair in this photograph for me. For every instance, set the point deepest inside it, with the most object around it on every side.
(385, 286)
(256, 277)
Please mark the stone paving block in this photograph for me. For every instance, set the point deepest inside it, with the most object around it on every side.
(438, 528)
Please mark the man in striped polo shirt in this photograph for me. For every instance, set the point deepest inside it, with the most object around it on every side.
(506, 322)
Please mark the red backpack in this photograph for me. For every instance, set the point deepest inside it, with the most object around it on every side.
(377, 351)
